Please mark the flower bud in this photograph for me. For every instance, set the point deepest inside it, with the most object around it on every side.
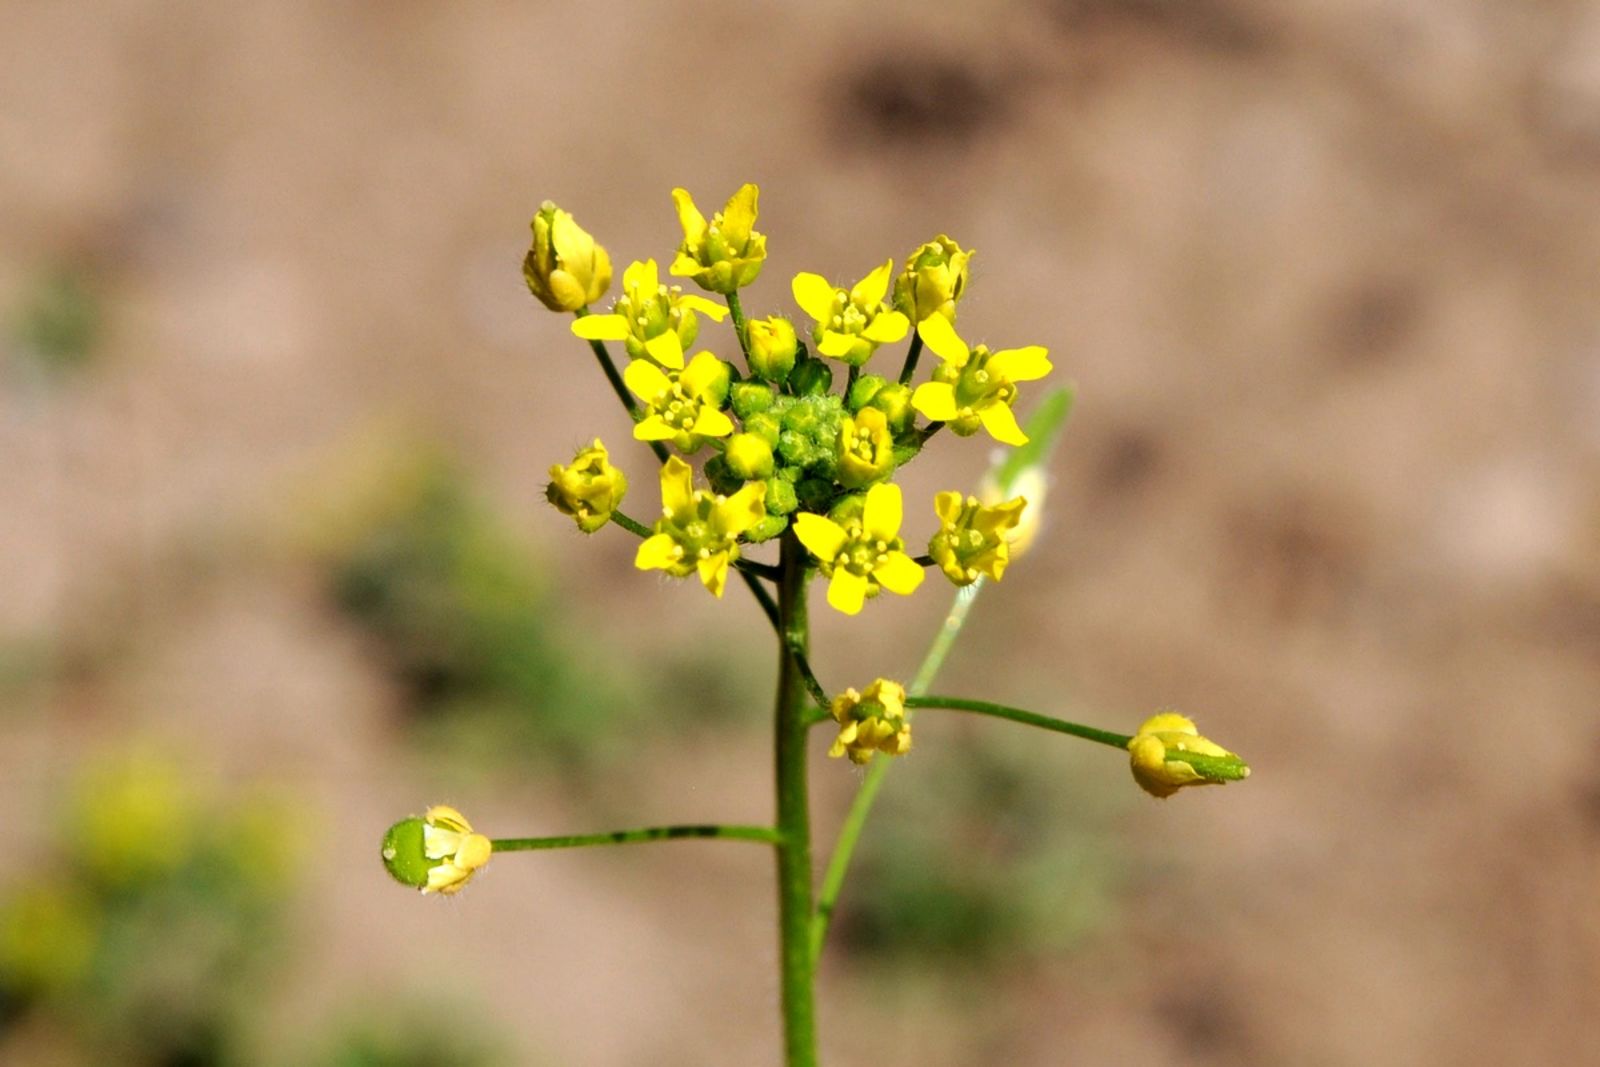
(565, 268)
(894, 400)
(749, 457)
(751, 398)
(438, 853)
(863, 390)
(810, 377)
(1168, 753)
(871, 721)
(589, 489)
(933, 279)
(773, 346)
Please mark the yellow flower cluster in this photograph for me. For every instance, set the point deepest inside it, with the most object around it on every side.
(791, 454)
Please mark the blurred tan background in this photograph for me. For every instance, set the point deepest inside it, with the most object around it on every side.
(276, 407)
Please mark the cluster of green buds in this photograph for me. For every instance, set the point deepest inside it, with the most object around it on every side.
(793, 445)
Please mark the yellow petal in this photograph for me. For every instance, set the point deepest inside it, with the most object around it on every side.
(887, 328)
(677, 486)
(656, 553)
(712, 423)
(880, 516)
(898, 574)
(666, 349)
(822, 536)
(448, 818)
(684, 266)
(714, 573)
(474, 852)
(653, 428)
(742, 510)
(835, 345)
(739, 215)
(947, 505)
(1002, 424)
(814, 294)
(646, 380)
(937, 333)
(709, 308)
(869, 291)
(601, 328)
(936, 400)
(1169, 722)
(641, 277)
(574, 248)
(847, 591)
(1019, 364)
(689, 217)
(703, 371)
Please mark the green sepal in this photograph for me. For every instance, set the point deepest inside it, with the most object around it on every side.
(766, 529)
(861, 393)
(810, 377)
(781, 498)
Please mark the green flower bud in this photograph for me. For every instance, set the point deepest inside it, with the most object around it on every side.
(767, 529)
(933, 279)
(894, 400)
(565, 268)
(765, 426)
(781, 498)
(773, 346)
(589, 489)
(749, 457)
(751, 398)
(810, 377)
(862, 392)
(815, 493)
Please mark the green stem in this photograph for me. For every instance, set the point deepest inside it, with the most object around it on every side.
(618, 387)
(1027, 718)
(633, 526)
(855, 819)
(797, 961)
(740, 327)
(764, 834)
(911, 357)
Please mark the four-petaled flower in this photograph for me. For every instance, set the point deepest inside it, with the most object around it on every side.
(851, 323)
(684, 407)
(646, 310)
(1168, 753)
(871, 721)
(864, 553)
(726, 253)
(565, 268)
(973, 538)
(974, 386)
(866, 449)
(699, 530)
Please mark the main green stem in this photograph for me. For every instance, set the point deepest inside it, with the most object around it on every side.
(797, 962)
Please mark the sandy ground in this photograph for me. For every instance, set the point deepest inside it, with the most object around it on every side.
(1325, 278)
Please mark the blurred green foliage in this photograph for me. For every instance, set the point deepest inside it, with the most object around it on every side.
(58, 322)
(983, 851)
(138, 941)
(418, 1035)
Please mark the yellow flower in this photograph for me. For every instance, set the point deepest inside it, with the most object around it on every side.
(565, 268)
(1168, 753)
(866, 449)
(933, 279)
(684, 407)
(851, 324)
(698, 530)
(871, 722)
(725, 254)
(974, 386)
(438, 853)
(972, 537)
(773, 346)
(646, 310)
(589, 489)
(863, 554)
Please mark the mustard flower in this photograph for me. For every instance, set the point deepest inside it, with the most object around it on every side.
(699, 530)
(589, 489)
(565, 268)
(1168, 753)
(972, 537)
(866, 449)
(646, 310)
(864, 554)
(852, 323)
(871, 722)
(684, 407)
(438, 853)
(725, 254)
(974, 386)
(932, 280)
